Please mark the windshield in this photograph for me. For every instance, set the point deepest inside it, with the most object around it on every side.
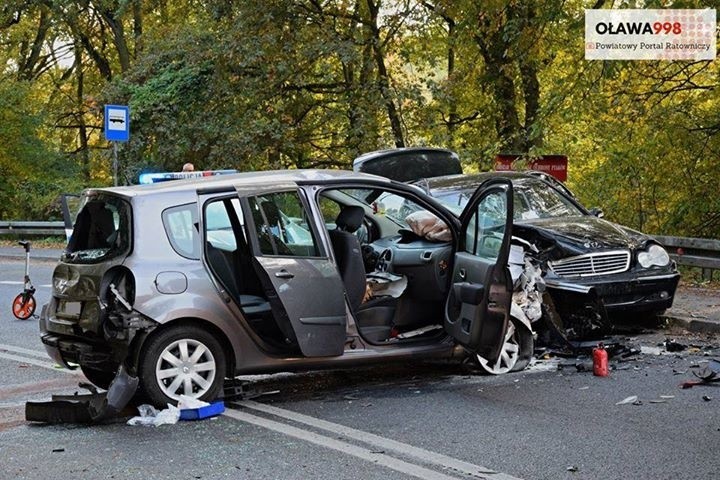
(392, 206)
(101, 231)
(532, 199)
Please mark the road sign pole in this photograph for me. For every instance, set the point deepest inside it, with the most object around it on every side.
(117, 129)
(115, 164)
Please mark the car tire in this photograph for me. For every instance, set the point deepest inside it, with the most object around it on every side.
(99, 378)
(183, 359)
(516, 351)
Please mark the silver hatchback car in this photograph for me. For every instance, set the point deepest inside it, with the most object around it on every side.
(180, 285)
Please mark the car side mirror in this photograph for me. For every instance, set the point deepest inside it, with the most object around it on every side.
(597, 212)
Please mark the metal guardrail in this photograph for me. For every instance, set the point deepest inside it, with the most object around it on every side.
(32, 228)
(694, 252)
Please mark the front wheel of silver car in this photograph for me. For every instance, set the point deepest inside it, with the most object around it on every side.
(515, 354)
(182, 360)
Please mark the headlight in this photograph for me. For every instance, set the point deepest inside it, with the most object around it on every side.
(655, 255)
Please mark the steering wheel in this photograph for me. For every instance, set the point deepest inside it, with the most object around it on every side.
(384, 261)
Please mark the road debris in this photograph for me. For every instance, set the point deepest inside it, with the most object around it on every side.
(150, 416)
(94, 407)
(631, 399)
(674, 346)
(707, 374)
(648, 350)
(194, 409)
(706, 398)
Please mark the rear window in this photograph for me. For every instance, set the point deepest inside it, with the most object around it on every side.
(102, 230)
(405, 165)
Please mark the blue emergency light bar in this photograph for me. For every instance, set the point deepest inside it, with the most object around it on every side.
(148, 178)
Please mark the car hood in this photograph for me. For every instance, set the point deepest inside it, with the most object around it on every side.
(580, 234)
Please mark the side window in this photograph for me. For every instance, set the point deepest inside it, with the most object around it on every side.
(181, 229)
(282, 226)
(218, 228)
(485, 231)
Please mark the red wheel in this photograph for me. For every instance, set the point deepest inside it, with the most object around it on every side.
(23, 307)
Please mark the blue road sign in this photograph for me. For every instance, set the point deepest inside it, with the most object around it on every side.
(117, 123)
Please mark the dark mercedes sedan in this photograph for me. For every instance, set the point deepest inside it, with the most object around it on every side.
(629, 271)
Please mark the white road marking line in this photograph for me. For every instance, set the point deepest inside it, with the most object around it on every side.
(347, 448)
(26, 351)
(381, 442)
(32, 361)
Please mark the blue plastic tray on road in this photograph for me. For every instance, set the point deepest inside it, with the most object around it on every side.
(215, 408)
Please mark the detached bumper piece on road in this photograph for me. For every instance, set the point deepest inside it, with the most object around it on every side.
(89, 408)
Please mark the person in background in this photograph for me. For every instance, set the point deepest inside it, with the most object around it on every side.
(188, 167)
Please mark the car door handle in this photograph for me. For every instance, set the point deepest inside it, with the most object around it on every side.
(463, 274)
(284, 274)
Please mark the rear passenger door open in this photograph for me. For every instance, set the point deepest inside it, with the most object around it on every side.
(308, 294)
(478, 308)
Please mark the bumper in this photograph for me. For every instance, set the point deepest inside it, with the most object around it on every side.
(70, 350)
(63, 343)
(628, 291)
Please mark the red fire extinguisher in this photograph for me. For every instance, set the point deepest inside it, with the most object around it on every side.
(600, 361)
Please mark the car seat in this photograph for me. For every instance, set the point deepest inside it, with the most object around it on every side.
(374, 317)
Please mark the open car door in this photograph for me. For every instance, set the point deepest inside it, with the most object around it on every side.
(300, 281)
(478, 308)
(70, 204)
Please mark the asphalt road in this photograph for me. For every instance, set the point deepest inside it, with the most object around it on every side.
(429, 420)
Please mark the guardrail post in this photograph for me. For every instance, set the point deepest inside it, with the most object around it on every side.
(707, 274)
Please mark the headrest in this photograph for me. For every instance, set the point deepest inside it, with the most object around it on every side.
(350, 218)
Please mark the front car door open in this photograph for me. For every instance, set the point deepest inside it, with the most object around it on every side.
(478, 308)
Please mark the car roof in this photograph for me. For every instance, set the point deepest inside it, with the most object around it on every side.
(269, 177)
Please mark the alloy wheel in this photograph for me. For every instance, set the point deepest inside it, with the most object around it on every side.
(185, 367)
(508, 356)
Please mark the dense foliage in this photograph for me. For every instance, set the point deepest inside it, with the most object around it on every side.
(314, 83)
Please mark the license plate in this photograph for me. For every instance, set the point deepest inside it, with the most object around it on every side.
(69, 309)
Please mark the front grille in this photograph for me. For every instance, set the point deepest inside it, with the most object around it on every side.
(601, 263)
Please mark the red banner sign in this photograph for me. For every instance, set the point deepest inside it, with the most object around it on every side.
(555, 165)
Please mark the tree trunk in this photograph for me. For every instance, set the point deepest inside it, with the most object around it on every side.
(26, 70)
(118, 37)
(137, 26)
(452, 114)
(529, 77)
(383, 76)
(531, 92)
(83, 149)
